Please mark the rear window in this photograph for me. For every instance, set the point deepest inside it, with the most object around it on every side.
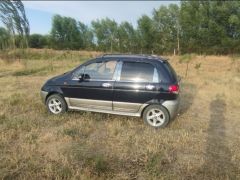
(170, 70)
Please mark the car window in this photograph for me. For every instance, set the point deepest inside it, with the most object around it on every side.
(100, 70)
(170, 70)
(78, 72)
(138, 72)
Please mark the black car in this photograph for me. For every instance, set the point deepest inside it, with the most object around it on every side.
(133, 85)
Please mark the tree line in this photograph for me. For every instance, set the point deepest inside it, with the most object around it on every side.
(202, 27)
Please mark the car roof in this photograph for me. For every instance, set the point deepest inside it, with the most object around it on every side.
(134, 56)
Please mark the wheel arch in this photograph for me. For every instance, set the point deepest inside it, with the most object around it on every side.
(52, 93)
(150, 104)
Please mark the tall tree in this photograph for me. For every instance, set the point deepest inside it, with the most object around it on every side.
(12, 14)
(127, 37)
(106, 33)
(167, 28)
(4, 38)
(86, 36)
(65, 33)
(146, 34)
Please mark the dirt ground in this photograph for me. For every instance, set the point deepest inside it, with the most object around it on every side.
(201, 143)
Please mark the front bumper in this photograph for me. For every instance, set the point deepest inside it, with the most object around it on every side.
(172, 106)
(43, 96)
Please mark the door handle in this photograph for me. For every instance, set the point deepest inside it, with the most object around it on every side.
(150, 87)
(106, 85)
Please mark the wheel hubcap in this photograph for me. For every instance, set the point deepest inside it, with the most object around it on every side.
(155, 117)
(55, 105)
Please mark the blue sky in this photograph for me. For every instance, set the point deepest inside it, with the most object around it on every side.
(40, 13)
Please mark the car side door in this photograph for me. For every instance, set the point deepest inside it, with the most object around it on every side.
(137, 83)
(94, 90)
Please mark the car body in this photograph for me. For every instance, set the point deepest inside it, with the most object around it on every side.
(117, 84)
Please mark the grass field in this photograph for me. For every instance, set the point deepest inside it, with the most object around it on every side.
(201, 143)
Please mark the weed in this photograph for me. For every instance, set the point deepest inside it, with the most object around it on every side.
(3, 118)
(197, 66)
(100, 164)
(73, 132)
(154, 164)
(186, 58)
(15, 99)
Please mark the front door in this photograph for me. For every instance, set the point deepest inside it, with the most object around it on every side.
(95, 90)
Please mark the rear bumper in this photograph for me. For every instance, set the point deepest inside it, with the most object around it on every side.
(43, 96)
(172, 106)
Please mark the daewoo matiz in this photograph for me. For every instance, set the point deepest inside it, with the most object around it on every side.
(133, 85)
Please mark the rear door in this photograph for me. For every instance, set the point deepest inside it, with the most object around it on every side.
(137, 83)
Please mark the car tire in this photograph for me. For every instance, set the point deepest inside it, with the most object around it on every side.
(56, 104)
(156, 116)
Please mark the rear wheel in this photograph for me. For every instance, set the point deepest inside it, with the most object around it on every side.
(56, 104)
(156, 116)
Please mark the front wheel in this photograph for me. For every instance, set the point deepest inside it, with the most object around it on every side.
(56, 104)
(156, 116)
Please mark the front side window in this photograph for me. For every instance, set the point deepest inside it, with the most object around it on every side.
(100, 70)
(78, 72)
(138, 72)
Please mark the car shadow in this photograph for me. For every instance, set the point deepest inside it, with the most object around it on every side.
(217, 159)
(187, 95)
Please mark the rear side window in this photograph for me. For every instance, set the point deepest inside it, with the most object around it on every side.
(170, 70)
(138, 72)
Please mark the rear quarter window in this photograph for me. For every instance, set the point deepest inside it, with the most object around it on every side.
(170, 70)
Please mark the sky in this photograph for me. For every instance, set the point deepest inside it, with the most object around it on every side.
(40, 13)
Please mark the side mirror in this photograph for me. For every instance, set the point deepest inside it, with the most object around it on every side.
(81, 77)
(84, 77)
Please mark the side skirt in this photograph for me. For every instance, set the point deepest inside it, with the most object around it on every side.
(136, 114)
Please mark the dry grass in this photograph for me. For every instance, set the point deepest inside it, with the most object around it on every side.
(201, 143)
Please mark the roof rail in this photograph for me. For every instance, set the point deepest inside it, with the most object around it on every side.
(116, 54)
(130, 54)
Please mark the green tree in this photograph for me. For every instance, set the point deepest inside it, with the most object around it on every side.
(38, 41)
(127, 37)
(86, 36)
(105, 31)
(65, 33)
(167, 29)
(210, 26)
(12, 14)
(146, 34)
(4, 38)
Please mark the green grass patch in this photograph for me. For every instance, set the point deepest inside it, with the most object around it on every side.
(27, 72)
(73, 132)
(16, 99)
(89, 158)
(3, 118)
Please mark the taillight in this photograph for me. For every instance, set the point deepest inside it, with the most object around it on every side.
(173, 89)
